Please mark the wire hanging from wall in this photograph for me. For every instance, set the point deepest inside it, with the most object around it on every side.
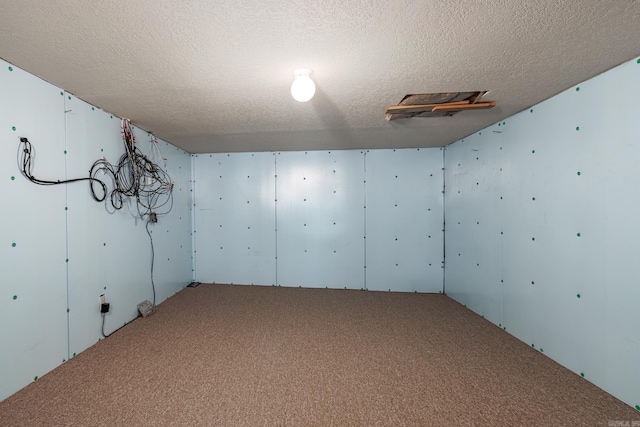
(134, 176)
(26, 157)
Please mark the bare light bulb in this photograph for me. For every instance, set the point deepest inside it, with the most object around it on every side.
(303, 88)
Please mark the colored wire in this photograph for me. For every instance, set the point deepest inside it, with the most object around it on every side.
(134, 175)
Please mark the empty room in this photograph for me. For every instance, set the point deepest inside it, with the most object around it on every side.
(320, 213)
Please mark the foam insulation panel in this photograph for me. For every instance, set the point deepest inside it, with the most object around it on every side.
(33, 295)
(298, 219)
(320, 208)
(109, 250)
(235, 218)
(404, 220)
(63, 249)
(542, 232)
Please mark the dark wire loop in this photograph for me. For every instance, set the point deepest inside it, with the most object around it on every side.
(26, 168)
(133, 176)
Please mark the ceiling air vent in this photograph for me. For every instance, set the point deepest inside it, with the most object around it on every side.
(437, 105)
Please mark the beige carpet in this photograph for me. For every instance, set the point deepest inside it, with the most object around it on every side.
(252, 356)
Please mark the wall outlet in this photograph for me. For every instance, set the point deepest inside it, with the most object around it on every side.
(102, 301)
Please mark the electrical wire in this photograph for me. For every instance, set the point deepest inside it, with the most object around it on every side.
(133, 176)
(153, 255)
(136, 176)
(112, 332)
(25, 163)
(103, 334)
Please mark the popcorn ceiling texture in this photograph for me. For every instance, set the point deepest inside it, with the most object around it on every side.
(215, 76)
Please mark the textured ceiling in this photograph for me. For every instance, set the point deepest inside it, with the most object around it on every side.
(214, 76)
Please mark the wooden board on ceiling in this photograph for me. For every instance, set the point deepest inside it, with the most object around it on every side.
(436, 104)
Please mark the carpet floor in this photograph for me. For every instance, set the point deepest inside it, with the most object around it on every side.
(263, 356)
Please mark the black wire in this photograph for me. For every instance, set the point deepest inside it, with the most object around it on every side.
(103, 334)
(153, 286)
(134, 176)
(26, 167)
(112, 332)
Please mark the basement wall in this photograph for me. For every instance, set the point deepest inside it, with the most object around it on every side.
(347, 219)
(542, 228)
(59, 248)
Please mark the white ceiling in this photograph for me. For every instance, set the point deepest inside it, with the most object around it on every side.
(214, 76)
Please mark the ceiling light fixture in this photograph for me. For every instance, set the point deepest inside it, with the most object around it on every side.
(303, 88)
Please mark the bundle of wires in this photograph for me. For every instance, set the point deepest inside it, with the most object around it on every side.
(135, 176)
